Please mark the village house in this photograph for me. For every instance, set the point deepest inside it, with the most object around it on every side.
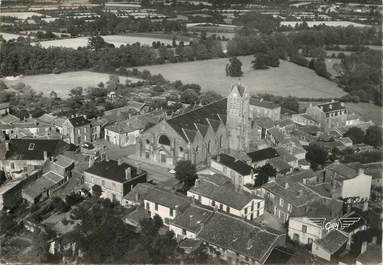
(191, 221)
(219, 192)
(347, 182)
(238, 241)
(4, 108)
(164, 203)
(292, 195)
(77, 130)
(57, 172)
(26, 155)
(238, 171)
(330, 246)
(264, 108)
(261, 157)
(116, 178)
(329, 115)
(122, 133)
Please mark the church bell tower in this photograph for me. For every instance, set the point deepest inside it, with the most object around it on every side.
(238, 123)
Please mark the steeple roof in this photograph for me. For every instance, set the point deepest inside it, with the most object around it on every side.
(239, 88)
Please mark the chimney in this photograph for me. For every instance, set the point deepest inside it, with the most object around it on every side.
(197, 181)
(6, 146)
(119, 162)
(364, 247)
(128, 173)
(286, 185)
(45, 155)
(360, 171)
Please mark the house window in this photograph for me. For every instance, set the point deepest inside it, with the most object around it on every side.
(258, 205)
(147, 206)
(184, 232)
(212, 203)
(252, 206)
(289, 207)
(147, 155)
(12, 165)
(31, 146)
(227, 209)
(281, 202)
(225, 170)
(181, 149)
(199, 197)
(156, 206)
(245, 211)
(304, 228)
(295, 237)
(221, 207)
(309, 241)
(171, 212)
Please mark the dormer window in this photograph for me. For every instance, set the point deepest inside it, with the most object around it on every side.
(31, 147)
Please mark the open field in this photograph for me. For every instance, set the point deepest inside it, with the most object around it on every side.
(64, 82)
(116, 40)
(19, 15)
(327, 23)
(288, 79)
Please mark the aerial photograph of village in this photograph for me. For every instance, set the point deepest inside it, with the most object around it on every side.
(191, 132)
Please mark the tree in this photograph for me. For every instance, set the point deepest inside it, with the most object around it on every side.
(260, 61)
(186, 173)
(59, 205)
(264, 173)
(374, 136)
(53, 95)
(316, 155)
(234, 67)
(96, 43)
(40, 246)
(355, 134)
(209, 97)
(189, 96)
(96, 190)
(76, 92)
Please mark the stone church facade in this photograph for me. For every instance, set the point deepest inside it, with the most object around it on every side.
(200, 134)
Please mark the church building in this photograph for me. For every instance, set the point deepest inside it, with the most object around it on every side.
(200, 134)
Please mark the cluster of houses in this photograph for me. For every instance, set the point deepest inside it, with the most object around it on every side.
(229, 141)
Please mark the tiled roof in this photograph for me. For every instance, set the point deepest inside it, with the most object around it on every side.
(263, 154)
(343, 171)
(331, 106)
(33, 149)
(279, 164)
(138, 192)
(263, 103)
(123, 127)
(197, 119)
(4, 105)
(264, 122)
(285, 122)
(237, 165)
(333, 241)
(112, 170)
(239, 236)
(167, 198)
(277, 134)
(296, 193)
(45, 182)
(225, 193)
(193, 218)
(78, 121)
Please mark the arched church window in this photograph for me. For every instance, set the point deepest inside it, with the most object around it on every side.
(164, 140)
(181, 149)
(147, 141)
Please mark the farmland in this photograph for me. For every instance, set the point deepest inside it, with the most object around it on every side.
(327, 23)
(9, 36)
(116, 40)
(63, 83)
(288, 79)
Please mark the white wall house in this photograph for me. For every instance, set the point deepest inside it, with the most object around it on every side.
(227, 199)
(239, 177)
(304, 231)
(165, 204)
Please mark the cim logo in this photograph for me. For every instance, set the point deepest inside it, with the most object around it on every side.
(339, 224)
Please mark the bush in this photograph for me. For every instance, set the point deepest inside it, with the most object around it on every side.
(299, 60)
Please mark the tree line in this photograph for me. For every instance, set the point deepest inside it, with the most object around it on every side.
(20, 57)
